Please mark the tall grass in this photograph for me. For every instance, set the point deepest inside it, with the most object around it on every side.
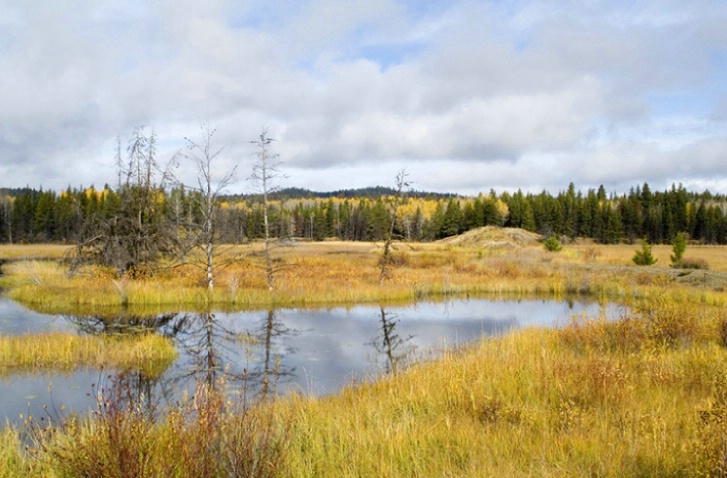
(319, 274)
(149, 353)
(644, 396)
(204, 436)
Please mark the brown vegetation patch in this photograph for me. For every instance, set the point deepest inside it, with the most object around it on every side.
(494, 237)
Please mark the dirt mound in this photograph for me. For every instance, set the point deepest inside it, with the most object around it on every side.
(495, 238)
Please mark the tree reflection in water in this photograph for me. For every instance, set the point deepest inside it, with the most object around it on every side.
(213, 354)
(396, 350)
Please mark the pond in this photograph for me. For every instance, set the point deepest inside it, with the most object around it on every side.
(313, 351)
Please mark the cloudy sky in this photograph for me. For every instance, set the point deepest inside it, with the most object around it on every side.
(466, 95)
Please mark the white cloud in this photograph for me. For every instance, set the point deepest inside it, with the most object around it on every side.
(476, 94)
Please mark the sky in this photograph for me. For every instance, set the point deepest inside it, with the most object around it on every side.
(466, 96)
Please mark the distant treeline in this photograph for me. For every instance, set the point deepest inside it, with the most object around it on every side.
(71, 216)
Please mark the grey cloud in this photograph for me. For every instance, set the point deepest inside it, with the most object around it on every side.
(526, 94)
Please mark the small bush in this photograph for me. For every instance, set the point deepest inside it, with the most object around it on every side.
(204, 436)
(552, 244)
(691, 264)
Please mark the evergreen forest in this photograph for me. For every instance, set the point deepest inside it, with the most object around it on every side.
(76, 214)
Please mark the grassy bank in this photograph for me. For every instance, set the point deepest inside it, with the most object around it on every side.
(57, 352)
(640, 397)
(316, 274)
(14, 252)
(643, 396)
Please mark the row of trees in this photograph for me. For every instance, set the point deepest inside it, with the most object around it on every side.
(151, 212)
(78, 215)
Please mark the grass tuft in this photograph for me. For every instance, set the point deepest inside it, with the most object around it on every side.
(148, 353)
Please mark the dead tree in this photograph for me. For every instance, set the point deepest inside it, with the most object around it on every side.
(138, 235)
(394, 204)
(209, 187)
(265, 172)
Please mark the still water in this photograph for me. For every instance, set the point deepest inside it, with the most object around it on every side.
(310, 351)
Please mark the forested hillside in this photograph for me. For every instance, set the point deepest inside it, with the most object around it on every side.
(74, 215)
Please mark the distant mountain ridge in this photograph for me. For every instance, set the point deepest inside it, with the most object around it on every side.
(371, 192)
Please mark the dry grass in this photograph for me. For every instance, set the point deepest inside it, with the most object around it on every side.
(594, 399)
(33, 251)
(58, 352)
(314, 274)
(715, 256)
(643, 396)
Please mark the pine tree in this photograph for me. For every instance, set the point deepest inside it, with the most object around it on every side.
(644, 256)
(679, 245)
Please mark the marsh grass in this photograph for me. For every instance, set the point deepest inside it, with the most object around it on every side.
(644, 396)
(203, 436)
(309, 275)
(58, 352)
(33, 251)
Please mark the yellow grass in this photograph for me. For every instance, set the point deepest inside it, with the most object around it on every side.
(314, 274)
(59, 352)
(644, 396)
(621, 254)
(33, 251)
(537, 403)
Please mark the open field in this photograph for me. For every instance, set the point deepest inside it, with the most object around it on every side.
(315, 274)
(643, 396)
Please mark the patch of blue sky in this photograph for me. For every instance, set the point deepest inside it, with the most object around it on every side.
(422, 8)
(388, 55)
(260, 15)
(691, 102)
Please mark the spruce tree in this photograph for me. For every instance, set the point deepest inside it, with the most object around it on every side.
(679, 245)
(644, 256)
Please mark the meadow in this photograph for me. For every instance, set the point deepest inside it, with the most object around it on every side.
(310, 274)
(645, 395)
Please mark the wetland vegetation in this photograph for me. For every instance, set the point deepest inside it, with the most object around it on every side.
(643, 395)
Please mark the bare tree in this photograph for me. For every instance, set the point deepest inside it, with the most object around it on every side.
(204, 154)
(398, 200)
(265, 172)
(138, 235)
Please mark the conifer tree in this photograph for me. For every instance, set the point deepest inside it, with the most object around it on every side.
(644, 256)
(679, 245)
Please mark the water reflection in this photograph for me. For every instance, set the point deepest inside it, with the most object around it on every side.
(272, 351)
(217, 351)
(396, 350)
(120, 323)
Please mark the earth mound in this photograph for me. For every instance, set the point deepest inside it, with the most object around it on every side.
(494, 237)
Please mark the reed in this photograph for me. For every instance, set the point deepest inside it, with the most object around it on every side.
(149, 353)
